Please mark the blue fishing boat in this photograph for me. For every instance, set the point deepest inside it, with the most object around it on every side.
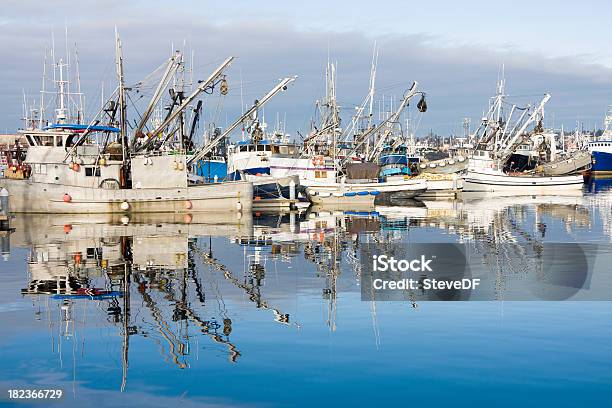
(601, 149)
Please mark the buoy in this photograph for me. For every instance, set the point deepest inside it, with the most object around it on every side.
(125, 220)
(125, 206)
(180, 166)
(257, 198)
(67, 198)
(188, 218)
(175, 165)
(77, 258)
(67, 228)
(188, 205)
(239, 206)
(76, 167)
(102, 162)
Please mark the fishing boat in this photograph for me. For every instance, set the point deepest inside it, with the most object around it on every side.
(362, 187)
(498, 138)
(601, 149)
(76, 167)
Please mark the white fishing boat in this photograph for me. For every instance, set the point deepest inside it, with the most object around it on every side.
(486, 175)
(499, 136)
(73, 167)
(347, 192)
(93, 180)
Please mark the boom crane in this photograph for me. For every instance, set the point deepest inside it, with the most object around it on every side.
(207, 84)
(171, 67)
(373, 130)
(281, 86)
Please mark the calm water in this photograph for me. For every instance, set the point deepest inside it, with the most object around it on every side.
(267, 311)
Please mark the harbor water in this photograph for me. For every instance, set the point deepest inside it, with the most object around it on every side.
(267, 309)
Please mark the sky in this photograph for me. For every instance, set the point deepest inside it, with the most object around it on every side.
(455, 50)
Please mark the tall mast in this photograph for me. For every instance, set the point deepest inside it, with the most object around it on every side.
(67, 86)
(372, 83)
(61, 115)
(120, 79)
(42, 92)
(78, 79)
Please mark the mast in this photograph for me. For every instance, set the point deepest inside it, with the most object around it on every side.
(126, 326)
(42, 92)
(60, 113)
(80, 112)
(372, 84)
(121, 89)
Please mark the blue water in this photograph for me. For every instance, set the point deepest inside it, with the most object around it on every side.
(334, 350)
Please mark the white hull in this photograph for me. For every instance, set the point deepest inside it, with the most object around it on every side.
(394, 186)
(520, 185)
(362, 193)
(36, 197)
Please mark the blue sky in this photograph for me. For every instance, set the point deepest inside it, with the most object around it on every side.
(454, 50)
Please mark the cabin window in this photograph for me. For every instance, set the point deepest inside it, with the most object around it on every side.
(44, 140)
(260, 148)
(92, 171)
(59, 141)
(243, 148)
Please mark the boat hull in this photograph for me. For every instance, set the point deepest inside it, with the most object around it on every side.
(34, 197)
(602, 163)
(520, 185)
(580, 160)
(363, 193)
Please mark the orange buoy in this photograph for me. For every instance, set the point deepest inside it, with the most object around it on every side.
(67, 228)
(76, 167)
(67, 198)
(257, 198)
(188, 218)
(188, 205)
(77, 258)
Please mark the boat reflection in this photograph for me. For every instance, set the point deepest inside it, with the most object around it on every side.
(177, 281)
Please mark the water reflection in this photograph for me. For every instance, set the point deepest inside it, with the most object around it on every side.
(181, 284)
